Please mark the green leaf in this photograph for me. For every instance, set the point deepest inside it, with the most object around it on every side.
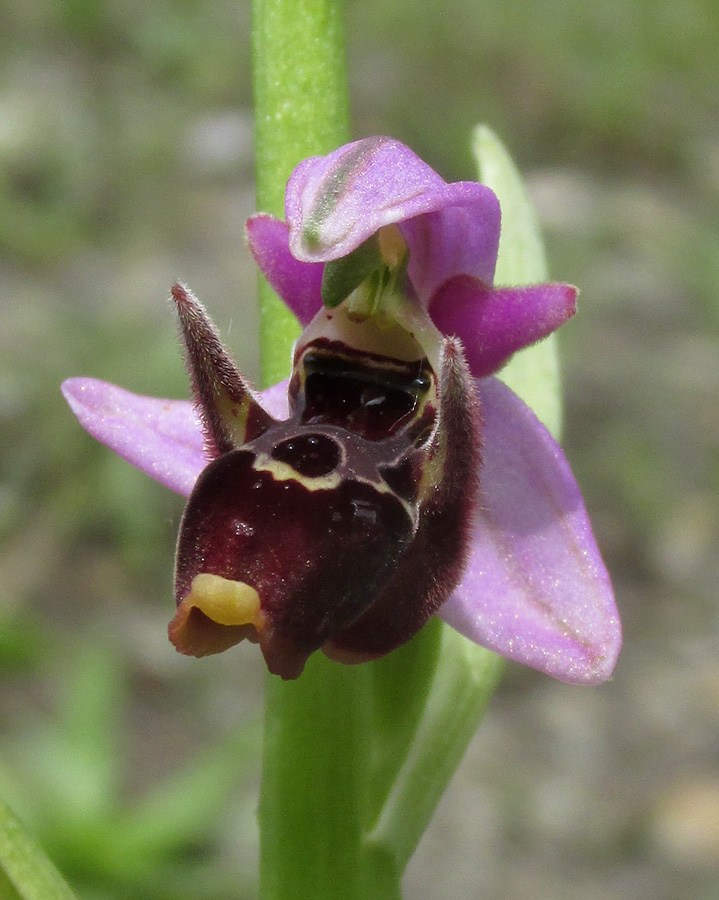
(434, 691)
(182, 808)
(533, 374)
(442, 682)
(28, 872)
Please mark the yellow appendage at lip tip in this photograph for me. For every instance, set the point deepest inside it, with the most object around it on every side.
(224, 601)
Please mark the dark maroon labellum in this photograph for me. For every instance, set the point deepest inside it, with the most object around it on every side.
(343, 527)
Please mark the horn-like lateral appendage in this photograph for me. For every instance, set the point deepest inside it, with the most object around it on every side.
(456, 443)
(231, 415)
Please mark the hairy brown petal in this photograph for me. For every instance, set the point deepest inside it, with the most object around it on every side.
(231, 415)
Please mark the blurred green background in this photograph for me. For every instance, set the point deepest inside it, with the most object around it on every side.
(126, 163)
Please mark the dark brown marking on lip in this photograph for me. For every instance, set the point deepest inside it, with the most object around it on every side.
(311, 455)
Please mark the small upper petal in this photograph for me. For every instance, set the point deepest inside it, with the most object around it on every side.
(333, 203)
(162, 438)
(493, 323)
(298, 283)
(535, 589)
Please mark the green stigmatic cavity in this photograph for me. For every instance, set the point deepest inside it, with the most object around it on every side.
(342, 276)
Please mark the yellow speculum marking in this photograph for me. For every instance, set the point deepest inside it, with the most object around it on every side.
(281, 471)
(226, 602)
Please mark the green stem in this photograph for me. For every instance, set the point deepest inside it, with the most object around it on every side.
(301, 110)
(312, 787)
(315, 766)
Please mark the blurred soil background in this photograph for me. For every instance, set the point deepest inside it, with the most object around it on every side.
(126, 163)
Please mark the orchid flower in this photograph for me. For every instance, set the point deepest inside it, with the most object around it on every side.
(391, 478)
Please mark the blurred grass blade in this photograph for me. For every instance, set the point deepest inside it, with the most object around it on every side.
(27, 869)
(184, 807)
(533, 374)
(88, 738)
